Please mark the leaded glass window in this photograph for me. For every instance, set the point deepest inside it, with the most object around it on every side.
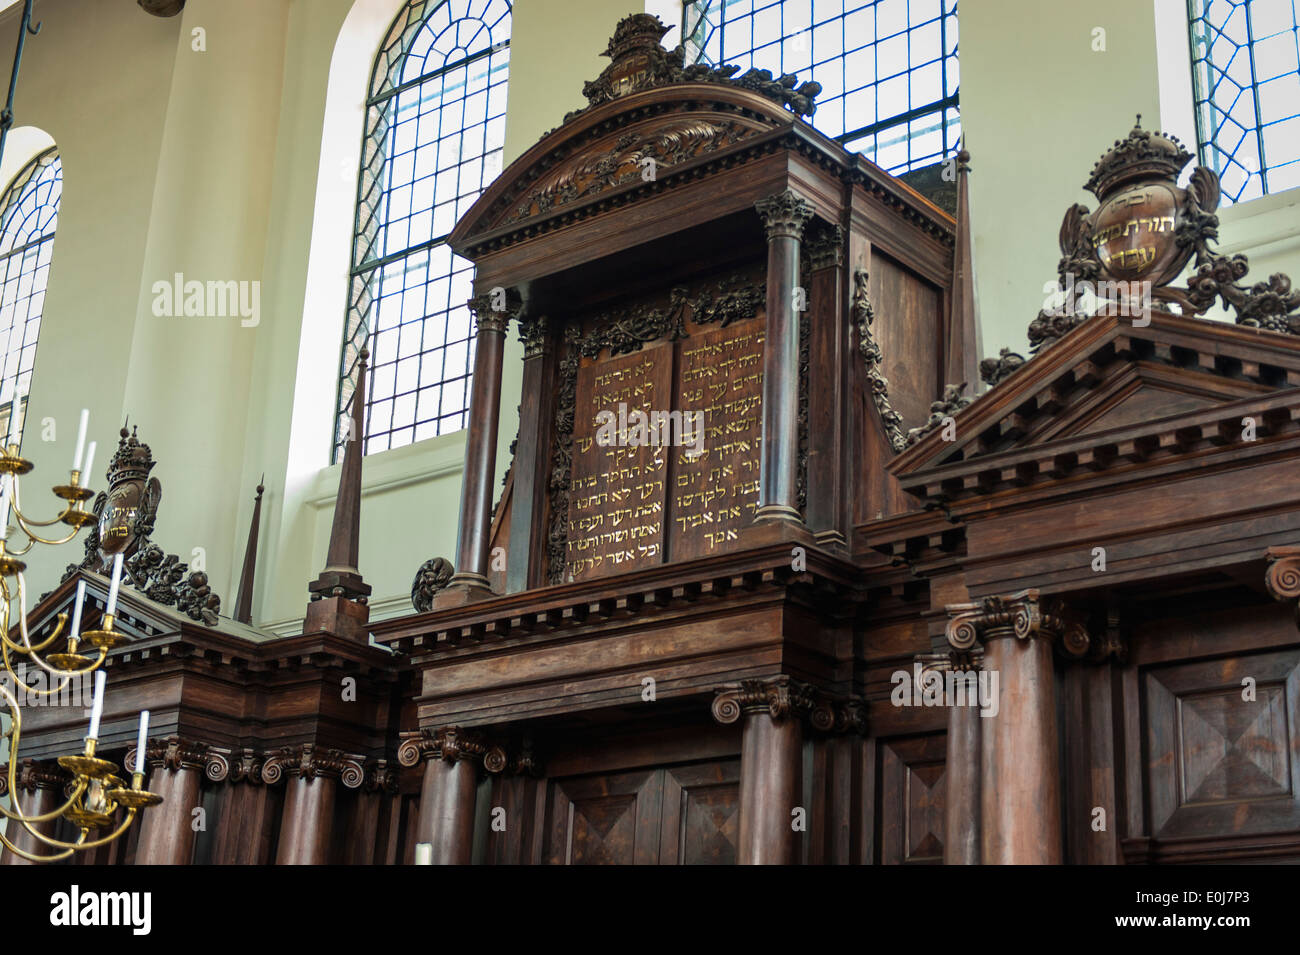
(1246, 92)
(29, 214)
(433, 138)
(888, 68)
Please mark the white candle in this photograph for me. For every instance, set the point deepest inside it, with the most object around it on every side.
(81, 439)
(76, 609)
(424, 853)
(140, 740)
(90, 463)
(4, 506)
(97, 707)
(14, 430)
(111, 609)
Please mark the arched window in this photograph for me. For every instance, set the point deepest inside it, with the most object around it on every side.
(1246, 88)
(29, 213)
(434, 131)
(888, 68)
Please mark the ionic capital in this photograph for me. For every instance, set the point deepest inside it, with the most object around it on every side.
(782, 698)
(451, 743)
(1021, 615)
(178, 753)
(309, 761)
(1282, 578)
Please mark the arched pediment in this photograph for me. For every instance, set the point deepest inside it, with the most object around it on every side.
(621, 145)
(647, 114)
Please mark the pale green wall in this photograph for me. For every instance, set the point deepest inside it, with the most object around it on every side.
(240, 163)
(106, 111)
(1038, 106)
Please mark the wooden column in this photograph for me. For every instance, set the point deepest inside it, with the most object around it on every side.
(40, 790)
(829, 363)
(452, 758)
(771, 761)
(526, 557)
(470, 581)
(962, 806)
(307, 822)
(784, 216)
(167, 831)
(247, 816)
(1020, 778)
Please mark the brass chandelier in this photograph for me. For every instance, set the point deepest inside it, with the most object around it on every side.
(96, 792)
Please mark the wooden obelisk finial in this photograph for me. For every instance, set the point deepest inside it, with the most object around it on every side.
(244, 599)
(963, 345)
(339, 594)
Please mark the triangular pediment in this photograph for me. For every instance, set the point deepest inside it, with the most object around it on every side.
(1138, 392)
(138, 616)
(1108, 392)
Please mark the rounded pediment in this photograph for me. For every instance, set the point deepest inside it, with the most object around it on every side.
(620, 146)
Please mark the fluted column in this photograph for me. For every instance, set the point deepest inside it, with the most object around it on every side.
(452, 757)
(177, 769)
(307, 821)
(1020, 785)
(492, 313)
(784, 216)
(40, 790)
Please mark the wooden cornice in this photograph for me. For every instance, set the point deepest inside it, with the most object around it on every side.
(995, 450)
(828, 582)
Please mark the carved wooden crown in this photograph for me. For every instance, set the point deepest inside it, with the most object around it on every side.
(1145, 153)
(132, 461)
(638, 63)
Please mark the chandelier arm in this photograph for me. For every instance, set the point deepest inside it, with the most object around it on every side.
(23, 521)
(27, 529)
(94, 843)
(6, 645)
(61, 622)
(31, 856)
(15, 731)
(26, 820)
(27, 640)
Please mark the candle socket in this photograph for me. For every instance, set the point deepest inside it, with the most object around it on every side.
(88, 766)
(105, 638)
(73, 491)
(71, 660)
(137, 797)
(9, 566)
(11, 463)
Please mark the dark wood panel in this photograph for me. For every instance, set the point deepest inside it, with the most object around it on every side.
(1219, 762)
(912, 800)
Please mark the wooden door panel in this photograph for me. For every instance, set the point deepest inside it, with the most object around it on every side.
(1222, 761)
(606, 820)
(702, 814)
(913, 784)
(687, 815)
